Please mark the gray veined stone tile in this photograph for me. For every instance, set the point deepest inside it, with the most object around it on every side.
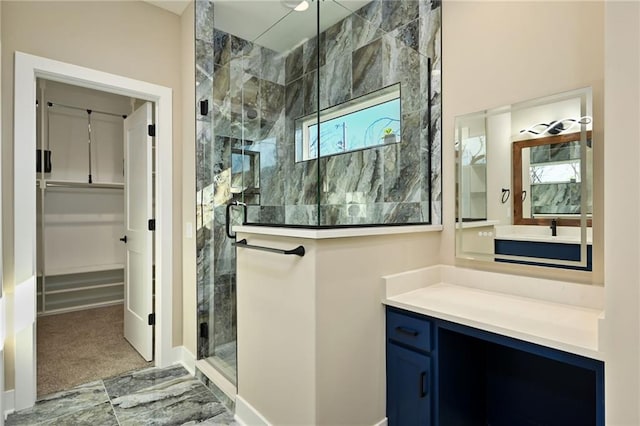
(430, 28)
(338, 41)
(252, 60)
(302, 214)
(294, 100)
(271, 100)
(402, 175)
(401, 64)
(310, 50)
(143, 379)
(337, 81)
(239, 47)
(204, 20)
(310, 90)
(409, 35)
(221, 83)
(221, 47)
(73, 401)
(204, 57)
(397, 13)
(367, 68)
(402, 213)
(363, 32)
(273, 64)
(372, 13)
(174, 404)
(293, 65)
(101, 414)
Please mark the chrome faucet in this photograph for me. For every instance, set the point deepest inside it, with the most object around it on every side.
(554, 227)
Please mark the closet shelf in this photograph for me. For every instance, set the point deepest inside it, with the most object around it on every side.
(47, 183)
(84, 288)
(82, 269)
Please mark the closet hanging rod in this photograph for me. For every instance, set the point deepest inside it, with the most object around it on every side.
(51, 104)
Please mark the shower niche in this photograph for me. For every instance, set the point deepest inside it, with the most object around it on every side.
(324, 115)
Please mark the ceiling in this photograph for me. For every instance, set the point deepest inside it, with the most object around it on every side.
(270, 23)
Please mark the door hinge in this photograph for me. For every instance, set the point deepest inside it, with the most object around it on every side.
(204, 107)
(204, 330)
(152, 319)
(152, 224)
(151, 130)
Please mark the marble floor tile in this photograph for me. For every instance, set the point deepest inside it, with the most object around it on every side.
(190, 407)
(77, 401)
(152, 396)
(135, 381)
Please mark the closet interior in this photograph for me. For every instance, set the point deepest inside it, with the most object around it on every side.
(80, 220)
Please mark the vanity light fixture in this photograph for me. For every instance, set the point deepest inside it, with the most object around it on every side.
(297, 5)
(558, 126)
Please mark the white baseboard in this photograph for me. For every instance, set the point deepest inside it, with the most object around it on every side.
(247, 415)
(9, 402)
(184, 356)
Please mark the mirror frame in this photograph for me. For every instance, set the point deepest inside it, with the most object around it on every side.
(516, 174)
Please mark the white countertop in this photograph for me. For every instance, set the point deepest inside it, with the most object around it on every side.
(566, 327)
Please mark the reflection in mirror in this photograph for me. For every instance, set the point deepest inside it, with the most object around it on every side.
(547, 180)
(524, 182)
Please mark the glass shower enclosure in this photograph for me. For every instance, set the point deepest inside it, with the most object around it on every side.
(316, 114)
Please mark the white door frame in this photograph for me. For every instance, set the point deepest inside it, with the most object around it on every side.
(27, 69)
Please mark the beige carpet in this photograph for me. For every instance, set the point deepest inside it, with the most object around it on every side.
(83, 346)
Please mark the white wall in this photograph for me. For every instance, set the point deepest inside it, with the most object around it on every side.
(622, 220)
(132, 39)
(494, 55)
(311, 330)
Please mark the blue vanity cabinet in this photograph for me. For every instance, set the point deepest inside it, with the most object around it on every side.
(443, 373)
(409, 378)
(543, 250)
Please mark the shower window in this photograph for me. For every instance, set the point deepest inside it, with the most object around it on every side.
(365, 122)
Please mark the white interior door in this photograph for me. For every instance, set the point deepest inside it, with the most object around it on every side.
(138, 293)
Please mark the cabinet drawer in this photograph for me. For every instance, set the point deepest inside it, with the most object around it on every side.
(409, 330)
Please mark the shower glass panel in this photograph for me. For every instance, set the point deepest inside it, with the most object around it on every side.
(323, 116)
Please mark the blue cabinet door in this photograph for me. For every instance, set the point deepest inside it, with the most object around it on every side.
(408, 387)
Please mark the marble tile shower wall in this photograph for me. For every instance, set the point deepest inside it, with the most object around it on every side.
(557, 197)
(384, 43)
(255, 94)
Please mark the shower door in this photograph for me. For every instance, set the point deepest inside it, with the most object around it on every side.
(249, 88)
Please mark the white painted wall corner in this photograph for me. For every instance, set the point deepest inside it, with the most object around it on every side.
(8, 402)
(183, 356)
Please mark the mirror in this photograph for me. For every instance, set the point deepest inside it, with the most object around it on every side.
(524, 182)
